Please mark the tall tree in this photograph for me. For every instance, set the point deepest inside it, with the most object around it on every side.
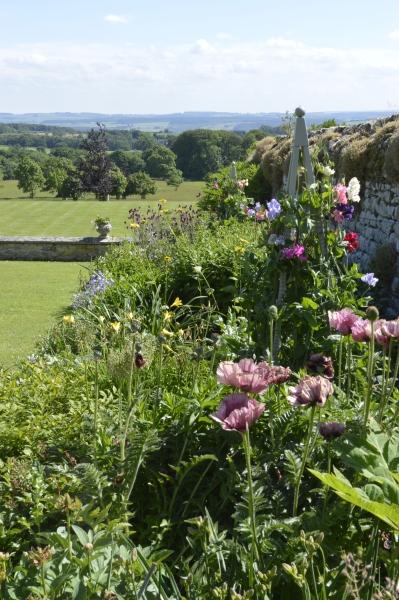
(119, 182)
(95, 166)
(55, 170)
(159, 160)
(29, 176)
(175, 178)
(140, 184)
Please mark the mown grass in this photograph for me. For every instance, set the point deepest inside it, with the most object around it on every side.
(49, 216)
(32, 295)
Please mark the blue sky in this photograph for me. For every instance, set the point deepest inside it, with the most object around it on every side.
(154, 56)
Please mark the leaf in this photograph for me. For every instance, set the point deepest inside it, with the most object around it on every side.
(160, 556)
(309, 303)
(388, 514)
(82, 535)
(79, 592)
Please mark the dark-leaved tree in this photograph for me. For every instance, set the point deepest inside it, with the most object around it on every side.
(94, 167)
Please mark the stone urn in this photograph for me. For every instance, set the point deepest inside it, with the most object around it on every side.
(104, 229)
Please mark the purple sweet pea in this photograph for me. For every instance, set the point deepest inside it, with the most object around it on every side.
(369, 279)
(274, 209)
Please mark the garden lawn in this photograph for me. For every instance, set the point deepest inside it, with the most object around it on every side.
(49, 216)
(32, 295)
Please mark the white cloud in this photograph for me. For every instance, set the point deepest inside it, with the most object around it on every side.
(224, 36)
(394, 35)
(117, 18)
(202, 47)
(234, 76)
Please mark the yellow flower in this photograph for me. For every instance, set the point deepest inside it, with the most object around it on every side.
(162, 201)
(167, 333)
(134, 225)
(165, 210)
(168, 348)
(69, 319)
(144, 220)
(115, 326)
(177, 302)
(167, 316)
(129, 316)
(244, 241)
(239, 249)
(167, 258)
(179, 209)
(102, 319)
(181, 332)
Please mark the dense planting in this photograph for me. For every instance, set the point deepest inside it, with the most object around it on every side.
(216, 416)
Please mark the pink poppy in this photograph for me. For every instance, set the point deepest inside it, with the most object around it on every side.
(238, 412)
(342, 320)
(310, 390)
(391, 329)
(379, 336)
(361, 330)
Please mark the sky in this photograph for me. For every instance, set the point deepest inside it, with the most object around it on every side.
(152, 56)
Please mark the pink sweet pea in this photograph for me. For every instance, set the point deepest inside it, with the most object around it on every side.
(342, 320)
(310, 390)
(240, 184)
(238, 412)
(340, 193)
(338, 216)
(361, 330)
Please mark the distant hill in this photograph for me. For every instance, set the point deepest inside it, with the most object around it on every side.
(178, 122)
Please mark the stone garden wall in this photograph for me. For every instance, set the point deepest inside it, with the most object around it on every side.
(370, 152)
(63, 249)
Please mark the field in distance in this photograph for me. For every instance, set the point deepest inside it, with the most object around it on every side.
(50, 216)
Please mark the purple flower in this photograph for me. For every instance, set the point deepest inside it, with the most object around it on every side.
(369, 279)
(297, 250)
(257, 206)
(238, 412)
(251, 212)
(274, 209)
(215, 186)
(242, 207)
(331, 429)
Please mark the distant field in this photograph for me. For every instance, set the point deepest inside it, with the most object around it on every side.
(32, 295)
(49, 216)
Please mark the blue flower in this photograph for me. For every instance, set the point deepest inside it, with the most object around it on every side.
(251, 212)
(369, 279)
(274, 209)
(257, 206)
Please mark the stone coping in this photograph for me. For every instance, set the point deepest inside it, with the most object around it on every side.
(64, 249)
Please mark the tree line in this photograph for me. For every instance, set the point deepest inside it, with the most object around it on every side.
(70, 172)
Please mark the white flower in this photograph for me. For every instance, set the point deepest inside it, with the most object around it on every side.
(313, 186)
(328, 171)
(197, 269)
(353, 190)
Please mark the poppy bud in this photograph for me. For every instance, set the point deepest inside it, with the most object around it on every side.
(372, 313)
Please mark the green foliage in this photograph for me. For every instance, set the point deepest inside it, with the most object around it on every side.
(55, 171)
(29, 176)
(119, 183)
(175, 178)
(129, 162)
(140, 184)
(159, 160)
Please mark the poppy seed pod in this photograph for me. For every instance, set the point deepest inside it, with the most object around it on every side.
(273, 312)
(372, 313)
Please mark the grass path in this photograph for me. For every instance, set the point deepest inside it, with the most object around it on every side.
(32, 295)
(19, 215)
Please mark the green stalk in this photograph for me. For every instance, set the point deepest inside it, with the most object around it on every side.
(387, 370)
(369, 379)
(278, 401)
(130, 378)
(271, 420)
(340, 361)
(349, 367)
(195, 375)
(212, 361)
(251, 506)
(328, 472)
(155, 409)
(304, 457)
(43, 581)
(314, 579)
(69, 534)
(395, 374)
(271, 342)
(95, 415)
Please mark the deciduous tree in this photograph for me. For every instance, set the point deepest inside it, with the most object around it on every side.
(140, 184)
(29, 176)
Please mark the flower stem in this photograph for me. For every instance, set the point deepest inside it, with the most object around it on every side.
(130, 377)
(95, 415)
(304, 457)
(43, 581)
(349, 367)
(385, 375)
(328, 472)
(271, 342)
(251, 506)
(395, 374)
(369, 379)
(155, 408)
(340, 361)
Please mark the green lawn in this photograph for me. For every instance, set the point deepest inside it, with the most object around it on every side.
(49, 216)
(32, 295)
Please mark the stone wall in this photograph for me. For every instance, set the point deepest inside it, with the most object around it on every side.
(63, 249)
